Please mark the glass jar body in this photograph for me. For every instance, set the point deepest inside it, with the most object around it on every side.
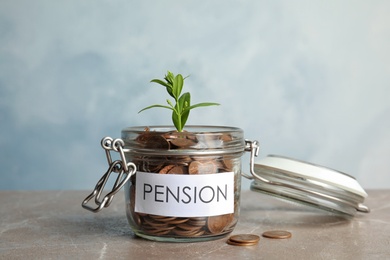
(187, 185)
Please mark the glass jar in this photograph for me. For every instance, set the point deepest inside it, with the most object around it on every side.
(187, 185)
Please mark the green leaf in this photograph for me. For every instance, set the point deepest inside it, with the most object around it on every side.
(177, 86)
(159, 81)
(170, 77)
(167, 85)
(184, 117)
(183, 103)
(204, 104)
(152, 106)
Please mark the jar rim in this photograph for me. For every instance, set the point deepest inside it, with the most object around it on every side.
(190, 128)
(212, 135)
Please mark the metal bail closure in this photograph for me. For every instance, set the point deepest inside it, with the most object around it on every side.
(121, 167)
(306, 183)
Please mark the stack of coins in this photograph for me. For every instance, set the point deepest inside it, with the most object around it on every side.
(277, 234)
(189, 164)
(243, 240)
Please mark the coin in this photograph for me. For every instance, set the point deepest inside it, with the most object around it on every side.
(157, 231)
(183, 142)
(178, 221)
(188, 227)
(181, 139)
(226, 138)
(199, 222)
(187, 233)
(207, 167)
(228, 163)
(277, 234)
(162, 218)
(179, 169)
(245, 238)
(216, 224)
(231, 242)
(166, 169)
(156, 142)
(155, 224)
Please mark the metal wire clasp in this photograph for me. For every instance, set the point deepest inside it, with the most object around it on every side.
(125, 171)
(254, 148)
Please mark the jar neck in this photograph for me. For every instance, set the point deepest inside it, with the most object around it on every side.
(195, 140)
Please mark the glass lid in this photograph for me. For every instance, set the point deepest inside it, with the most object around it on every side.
(308, 184)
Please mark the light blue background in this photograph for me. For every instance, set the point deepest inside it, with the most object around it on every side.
(308, 79)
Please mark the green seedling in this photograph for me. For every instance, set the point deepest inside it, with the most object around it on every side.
(182, 107)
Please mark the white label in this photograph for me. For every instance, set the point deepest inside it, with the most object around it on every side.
(176, 195)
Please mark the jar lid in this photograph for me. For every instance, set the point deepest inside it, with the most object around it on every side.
(308, 184)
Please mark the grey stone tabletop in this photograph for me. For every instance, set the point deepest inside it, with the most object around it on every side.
(53, 225)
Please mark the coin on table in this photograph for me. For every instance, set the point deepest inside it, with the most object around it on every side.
(233, 243)
(245, 238)
(277, 234)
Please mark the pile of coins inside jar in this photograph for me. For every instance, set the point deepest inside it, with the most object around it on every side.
(172, 226)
